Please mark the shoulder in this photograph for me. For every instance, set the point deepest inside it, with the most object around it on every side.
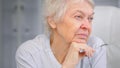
(32, 46)
(95, 41)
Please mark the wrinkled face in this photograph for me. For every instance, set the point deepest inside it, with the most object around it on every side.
(75, 25)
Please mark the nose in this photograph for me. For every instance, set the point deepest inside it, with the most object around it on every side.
(85, 24)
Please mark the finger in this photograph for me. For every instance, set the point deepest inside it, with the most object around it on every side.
(87, 52)
(91, 52)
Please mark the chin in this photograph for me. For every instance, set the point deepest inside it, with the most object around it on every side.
(83, 41)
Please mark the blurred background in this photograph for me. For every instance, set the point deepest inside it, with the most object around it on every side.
(21, 20)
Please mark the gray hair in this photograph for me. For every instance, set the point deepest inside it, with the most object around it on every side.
(56, 9)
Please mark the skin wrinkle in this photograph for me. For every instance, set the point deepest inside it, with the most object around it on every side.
(59, 8)
(71, 28)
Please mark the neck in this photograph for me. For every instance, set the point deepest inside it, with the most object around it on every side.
(59, 47)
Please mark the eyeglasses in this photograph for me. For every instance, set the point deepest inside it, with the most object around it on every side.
(91, 66)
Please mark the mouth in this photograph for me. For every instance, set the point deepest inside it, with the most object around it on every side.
(82, 36)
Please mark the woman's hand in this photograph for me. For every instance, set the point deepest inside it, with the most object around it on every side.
(74, 55)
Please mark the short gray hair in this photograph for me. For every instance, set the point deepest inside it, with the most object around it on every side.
(56, 9)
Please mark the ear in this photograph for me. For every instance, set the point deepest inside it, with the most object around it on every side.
(51, 22)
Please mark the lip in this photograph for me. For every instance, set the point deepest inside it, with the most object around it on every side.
(83, 36)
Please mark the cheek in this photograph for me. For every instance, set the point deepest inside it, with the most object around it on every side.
(67, 30)
(71, 30)
(90, 29)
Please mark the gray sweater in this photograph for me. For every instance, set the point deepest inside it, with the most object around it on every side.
(36, 53)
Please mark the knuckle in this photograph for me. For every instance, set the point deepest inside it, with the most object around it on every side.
(74, 46)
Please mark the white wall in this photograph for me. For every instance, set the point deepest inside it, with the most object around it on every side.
(106, 25)
(102, 21)
(114, 49)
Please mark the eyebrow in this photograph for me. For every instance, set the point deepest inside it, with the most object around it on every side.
(84, 13)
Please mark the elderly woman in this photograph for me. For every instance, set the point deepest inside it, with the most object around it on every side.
(69, 44)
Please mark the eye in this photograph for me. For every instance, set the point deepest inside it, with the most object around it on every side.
(90, 19)
(78, 17)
